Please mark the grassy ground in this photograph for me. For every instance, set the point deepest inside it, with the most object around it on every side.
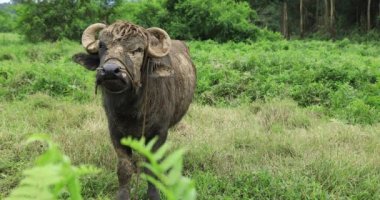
(263, 150)
(237, 150)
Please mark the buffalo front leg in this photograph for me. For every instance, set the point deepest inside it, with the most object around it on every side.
(153, 193)
(125, 169)
(124, 174)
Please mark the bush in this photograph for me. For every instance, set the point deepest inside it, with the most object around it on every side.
(194, 19)
(359, 112)
(7, 20)
(218, 20)
(183, 19)
(144, 13)
(57, 19)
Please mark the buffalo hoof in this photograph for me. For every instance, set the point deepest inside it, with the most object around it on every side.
(123, 194)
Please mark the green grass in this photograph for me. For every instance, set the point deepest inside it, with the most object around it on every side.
(280, 146)
(341, 77)
(231, 152)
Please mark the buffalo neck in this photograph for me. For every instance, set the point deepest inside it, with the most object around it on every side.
(125, 104)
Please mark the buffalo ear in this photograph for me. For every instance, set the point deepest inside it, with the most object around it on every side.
(159, 42)
(160, 67)
(89, 61)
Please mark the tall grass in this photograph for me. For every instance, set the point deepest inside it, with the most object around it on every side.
(231, 152)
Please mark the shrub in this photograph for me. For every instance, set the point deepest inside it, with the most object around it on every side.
(193, 19)
(218, 20)
(57, 19)
(144, 13)
(359, 112)
(7, 20)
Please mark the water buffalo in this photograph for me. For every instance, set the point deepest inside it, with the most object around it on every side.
(147, 83)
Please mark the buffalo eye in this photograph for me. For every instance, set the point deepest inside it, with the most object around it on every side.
(102, 45)
(138, 50)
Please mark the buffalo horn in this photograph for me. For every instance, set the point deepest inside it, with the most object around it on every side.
(89, 40)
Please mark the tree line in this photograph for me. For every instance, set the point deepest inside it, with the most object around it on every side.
(329, 18)
(220, 20)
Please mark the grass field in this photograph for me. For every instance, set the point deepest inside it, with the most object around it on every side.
(270, 148)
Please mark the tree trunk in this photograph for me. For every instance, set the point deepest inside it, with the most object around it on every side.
(357, 17)
(332, 19)
(285, 30)
(326, 16)
(369, 16)
(301, 19)
(317, 15)
(378, 16)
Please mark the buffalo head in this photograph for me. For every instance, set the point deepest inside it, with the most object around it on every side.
(119, 51)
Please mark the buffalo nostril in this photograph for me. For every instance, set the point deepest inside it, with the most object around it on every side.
(111, 69)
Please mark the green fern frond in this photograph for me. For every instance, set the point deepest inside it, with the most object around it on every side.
(51, 174)
(167, 170)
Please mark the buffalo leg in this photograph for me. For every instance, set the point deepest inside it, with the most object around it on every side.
(124, 173)
(125, 168)
(153, 193)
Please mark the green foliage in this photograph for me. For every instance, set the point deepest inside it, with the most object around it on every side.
(37, 78)
(358, 111)
(183, 19)
(57, 19)
(7, 20)
(47, 67)
(166, 169)
(194, 19)
(51, 176)
(145, 13)
(331, 75)
(220, 20)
